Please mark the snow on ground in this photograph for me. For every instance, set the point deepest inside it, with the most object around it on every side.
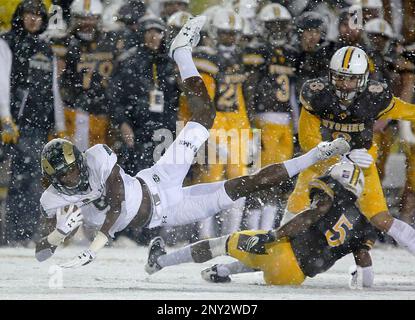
(118, 274)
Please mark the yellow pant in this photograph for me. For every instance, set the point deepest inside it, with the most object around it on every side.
(277, 142)
(236, 164)
(98, 127)
(371, 202)
(279, 265)
(384, 140)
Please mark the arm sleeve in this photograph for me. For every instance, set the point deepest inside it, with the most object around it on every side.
(6, 64)
(398, 110)
(308, 130)
(369, 238)
(57, 100)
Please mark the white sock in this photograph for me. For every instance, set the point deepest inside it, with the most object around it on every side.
(404, 234)
(182, 255)
(235, 267)
(184, 60)
(268, 217)
(296, 165)
(252, 220)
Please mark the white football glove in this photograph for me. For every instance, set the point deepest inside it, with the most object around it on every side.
(361, 277)
(68, 220)
(88, 255)
(360, 157)
(85, 257)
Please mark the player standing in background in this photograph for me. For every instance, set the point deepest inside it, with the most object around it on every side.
(271, 70)
(314, 51)
(231, 123)
(144, 96)
(30, 110)
(383, 59)
(89, 64)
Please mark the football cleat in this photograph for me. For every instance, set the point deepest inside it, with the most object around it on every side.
(156, 249)
(211, 275)
(328, 149)
(189, 35)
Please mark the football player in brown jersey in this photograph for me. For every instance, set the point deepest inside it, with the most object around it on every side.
(346, 104)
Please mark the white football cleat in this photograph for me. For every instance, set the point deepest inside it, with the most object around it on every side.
(156, 249)
(328, 149)
(189, 35)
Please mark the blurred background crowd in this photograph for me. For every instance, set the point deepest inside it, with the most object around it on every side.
(97, 71)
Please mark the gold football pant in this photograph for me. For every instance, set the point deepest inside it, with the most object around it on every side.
(277, 142)
(384, 141)
(236, 147)
(96, 127)
(279, 265)
(371, 202)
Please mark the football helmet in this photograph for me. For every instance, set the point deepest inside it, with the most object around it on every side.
(86, 18)
(58, 157)
(276, 20)
(350, 176)
(349, 72)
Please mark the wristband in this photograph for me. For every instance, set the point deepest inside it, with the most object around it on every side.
(56, 237)
(99, 242)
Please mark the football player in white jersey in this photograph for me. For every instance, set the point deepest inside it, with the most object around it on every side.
(91, 188)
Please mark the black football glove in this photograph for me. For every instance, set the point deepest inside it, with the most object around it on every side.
(256, 244)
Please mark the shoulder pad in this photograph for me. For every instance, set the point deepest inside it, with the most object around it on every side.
(377, 87)
(205, 62)
(311, 89)
(204, 50)
(381, 96)
(253, 59)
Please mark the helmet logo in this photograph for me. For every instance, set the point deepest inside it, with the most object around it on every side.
(47, 167)
(346, 174)
(68, 153)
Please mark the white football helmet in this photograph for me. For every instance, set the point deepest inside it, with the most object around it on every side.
(86, 8)
(86, 18)
(276, 21)
(227, 20)
(178, 19)
(349, 72)
(274, 12)
(372, 4)
(350, 176)
(246, 8)
(379, 26)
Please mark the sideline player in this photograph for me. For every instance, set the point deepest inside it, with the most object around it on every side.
(111, 200)
(307, 245)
